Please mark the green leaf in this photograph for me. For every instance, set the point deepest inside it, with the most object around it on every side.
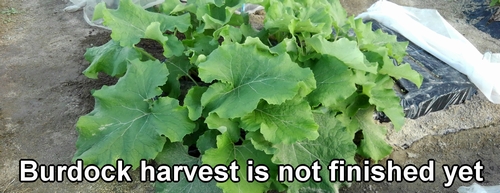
(494, 3)
(215, 13)
(286, 123)
(402, 71)
(192, 138)
(384, 97)
(373, 144)
(371, 40)
(224, 125)
(381, 47)
(226, 152)
(333, 143)
(335, 82)
(258, 102)
(129, 22)
(176, 154)
(127, 123)
(109, 58)
(171, 45)
(299, 16)
(178, 67)
(193, 102)
(355, 103)
(288, 45)
(344, 50)
(247, 78)
(229, 33)
(386, 66)
(337, 12)
(202, 44)
(207, 141)
(180, 7)
(168, 7)
(260, 143)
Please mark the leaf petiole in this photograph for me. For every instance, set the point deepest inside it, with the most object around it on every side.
(187, 74)
(145, 53)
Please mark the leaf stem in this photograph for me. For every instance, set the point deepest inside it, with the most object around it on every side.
(187, 74)
(145, 53)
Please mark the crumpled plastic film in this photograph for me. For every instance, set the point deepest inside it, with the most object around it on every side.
(430, 31)
(476, 188)
(89, 5)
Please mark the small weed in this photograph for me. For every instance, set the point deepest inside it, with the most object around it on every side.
(10, 11)
(8, 20)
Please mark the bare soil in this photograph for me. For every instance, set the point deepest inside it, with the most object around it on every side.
(43, 92)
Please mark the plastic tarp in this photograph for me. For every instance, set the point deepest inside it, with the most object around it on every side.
(430, 31)
(476, 188)
(89, 5)
(442, 85)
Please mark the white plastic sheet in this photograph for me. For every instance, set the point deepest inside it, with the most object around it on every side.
(430, 31)
(89, 5)
(476, 188)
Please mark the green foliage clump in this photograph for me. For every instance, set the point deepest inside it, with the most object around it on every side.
(494, 3)
(295, 92)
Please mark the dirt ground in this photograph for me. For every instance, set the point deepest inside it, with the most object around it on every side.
(43, 92)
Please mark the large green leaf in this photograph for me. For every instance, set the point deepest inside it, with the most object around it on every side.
(109, 58)
(333, 143)
(127, 122)
(287, 123)
(176, 154)
(130, 21)
(335, 82)
(344, 50)
(226, 152)
(248, 73)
